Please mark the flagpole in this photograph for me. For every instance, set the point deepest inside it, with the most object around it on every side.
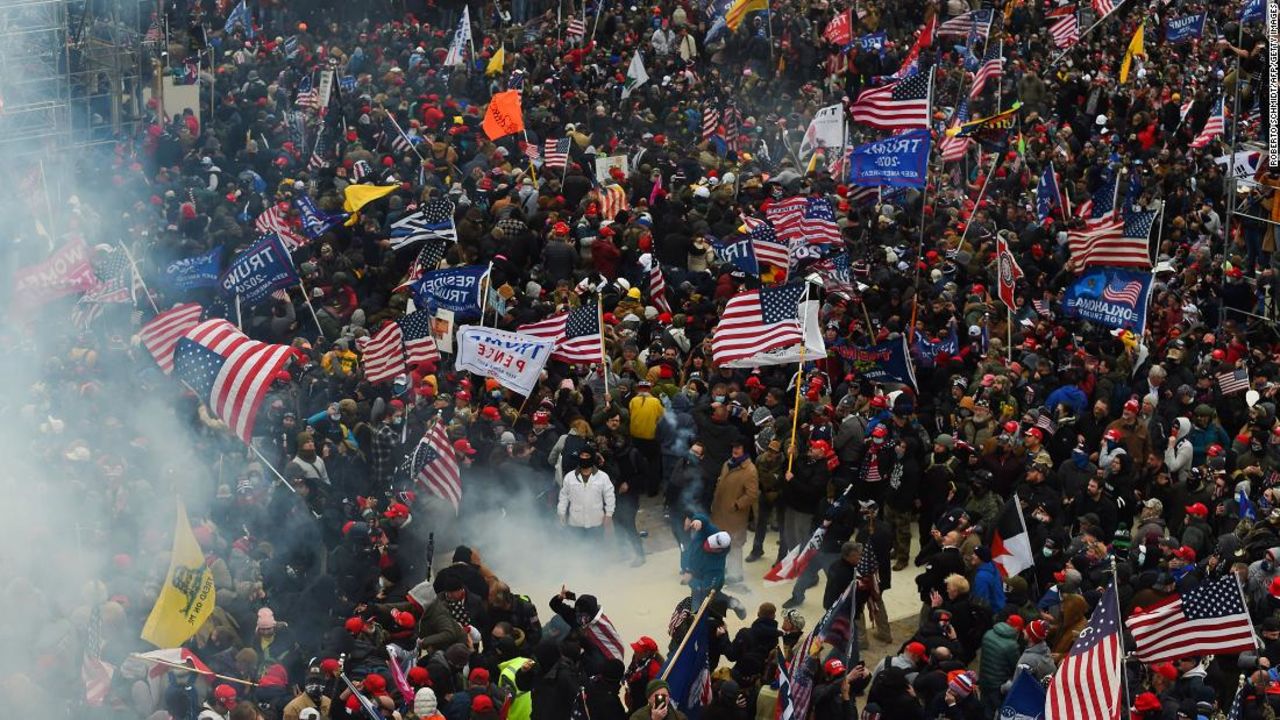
(1124, 676)
(924, 203)
(484, 296)
(197, 671)
(305, 296)
(671, 661)
(604, 356)
(596, 23)
(1230, 176)
(1253, 633)
(239, 321)
(421, 160)
(138, 276)
(1100, 20)
(48, 205)
(532, 169)
(981, 193)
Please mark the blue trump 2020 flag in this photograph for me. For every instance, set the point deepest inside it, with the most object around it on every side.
(1025, 700)
(929, 350)
(456, 289)
(688, 674)
(1253, 10)
(196, 272)
(1047, 195)
(898, 161)
(886, 362)
(738, 250)
(1112, 297)
(259, 271)
(316, 222)
(1182, 29)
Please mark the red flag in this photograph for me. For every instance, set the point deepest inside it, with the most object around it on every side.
(840, 30)
(1009, 271)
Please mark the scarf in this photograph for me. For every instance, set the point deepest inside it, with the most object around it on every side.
(458, 610)
(735, 462)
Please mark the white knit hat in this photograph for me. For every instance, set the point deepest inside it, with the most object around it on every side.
(424, 702)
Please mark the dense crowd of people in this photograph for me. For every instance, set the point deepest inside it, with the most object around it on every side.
(1131, 464)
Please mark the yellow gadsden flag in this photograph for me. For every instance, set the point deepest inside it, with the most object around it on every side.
(357, 196)
(188, 597)
(496, 62)
(1135, 48)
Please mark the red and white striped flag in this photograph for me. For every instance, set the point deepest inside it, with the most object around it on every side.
(758, 321)
(658, 287)
(555, 153)
(1087, 684)
(1103, 8)
(161, 334)
(577, 30)
(576, 334)
(1231, 382)
(1213, 126)
(275, 220)
(435, 467)
(601, 632)
(992, 67)
(164, 660)
(613, 200)
(531, 151)
(903, 105)
(382, 355)
(1208, 620)
(229, 372)
(710, 122)
(1065, 31)
(796, 559)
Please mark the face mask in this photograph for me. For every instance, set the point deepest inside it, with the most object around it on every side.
(1047, 552)
(719, 398)
(314, 690)
(585, 464)
(334, 417)
(397, 420)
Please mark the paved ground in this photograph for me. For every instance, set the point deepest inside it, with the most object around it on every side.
(639, 599)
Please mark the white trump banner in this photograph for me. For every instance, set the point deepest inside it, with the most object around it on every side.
(514, 360)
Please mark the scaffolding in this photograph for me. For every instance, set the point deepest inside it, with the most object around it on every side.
(110, 57)
(35, 94)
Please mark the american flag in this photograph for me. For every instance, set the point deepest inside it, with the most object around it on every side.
(433, 464)
(161, 334)
(992, 67)
(835, 628)
(308, 96)
(398, 346)
(782, 213)
(117, 282)
(613, 200)
(731, 119)
(360, 170)
(977, 20)
(1045, 422)
(1237, 712)
(954, 147)
(1233, 381)
(576, 334)
(1086, 685)
(1209, 620)
(85, 313)
(1104, 8)
(531, 152)
(428, 259)
(817, 224)
(577, 30)
(601, 633)
(1065, 31)
(1128, 293)
(785, 710)
(1042, 308)
(769, 251)
(275, 220)
(758, 321)
(836, 274)
(433, 221)
(1112, 241)
(903, 105)
(555, 153)
(229, 372)
(658, 287)
(399, 142)
(1102, 204)
(1213, 126)
(155, 33)
(95, 673)
(710, 122)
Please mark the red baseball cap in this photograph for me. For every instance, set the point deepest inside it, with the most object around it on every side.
(834, 667)
(1197, 509)
(1185, 554)
(464, 446)
(644, 644)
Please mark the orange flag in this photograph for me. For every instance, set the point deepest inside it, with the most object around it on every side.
(503, 116)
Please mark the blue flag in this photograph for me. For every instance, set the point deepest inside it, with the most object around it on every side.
(738, 250)
(239, 16)
(259, 271)
(347, 83)
(887, 362)
(1253, 10)
(1245, 506)
(1182, 29)
(898, 161)
(689, 675)
(873, 42)
(456, 289)
(927, 351)
(1048, 197)
(194, 272)
(1110, 296)
(1025, 700)
(316, 222)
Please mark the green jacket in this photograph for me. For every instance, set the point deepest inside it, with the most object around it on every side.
(999, 660)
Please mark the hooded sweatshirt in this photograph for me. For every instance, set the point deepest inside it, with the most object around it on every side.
(1179, 453)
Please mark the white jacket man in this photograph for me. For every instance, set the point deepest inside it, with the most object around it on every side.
(586, 496)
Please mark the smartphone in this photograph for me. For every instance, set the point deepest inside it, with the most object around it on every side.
(659, 702)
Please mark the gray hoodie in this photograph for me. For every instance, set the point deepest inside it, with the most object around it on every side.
(1178, 455)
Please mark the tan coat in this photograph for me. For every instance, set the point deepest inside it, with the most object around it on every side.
(736, 493)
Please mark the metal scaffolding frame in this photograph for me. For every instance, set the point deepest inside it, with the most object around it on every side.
(109, 62)
(35, 89)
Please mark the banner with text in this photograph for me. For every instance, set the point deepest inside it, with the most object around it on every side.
(1110, 296)
(898, 161)
(513, 359)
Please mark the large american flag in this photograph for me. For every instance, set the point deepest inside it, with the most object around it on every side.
(275, 220)
(1113, 241)
(398, 346)
(1209, 620)
(161, 334)
(1065, 30)
(978, 21)
(710, 122)
(815, 225)
(1233, 381)
(1213, 126)
(992, 67)
(1086, 685)
(229, 372)
(433, 464)
(576, 334)
(555, 153)
(1104, 7)
(903, 105)
(613, 200)
(658, 287)
(307, 97)
(758, 321)
(600, 632)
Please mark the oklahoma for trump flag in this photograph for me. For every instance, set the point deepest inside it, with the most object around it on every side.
(187, 597)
